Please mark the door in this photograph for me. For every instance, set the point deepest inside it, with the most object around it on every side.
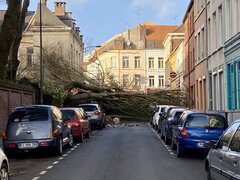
(231, 158)
(218, 159)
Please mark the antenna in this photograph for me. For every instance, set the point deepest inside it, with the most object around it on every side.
(138, 12)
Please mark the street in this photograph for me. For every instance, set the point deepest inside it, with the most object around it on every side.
(121, 153)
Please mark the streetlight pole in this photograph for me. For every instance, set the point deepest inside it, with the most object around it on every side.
(41, 58)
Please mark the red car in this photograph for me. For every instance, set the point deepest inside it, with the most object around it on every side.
(78, 120)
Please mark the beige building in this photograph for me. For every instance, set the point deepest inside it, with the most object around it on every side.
(173, 58)
(59, 33)
(132, 59)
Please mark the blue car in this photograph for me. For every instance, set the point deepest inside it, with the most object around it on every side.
(193, 129)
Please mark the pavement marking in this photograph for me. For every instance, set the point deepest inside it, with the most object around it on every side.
(35, 178)
(166, 146)
(65, 155)
(61, 158)
(43, 172)
(49, 167)
(56, 162)
(72, 149)
(69, 152)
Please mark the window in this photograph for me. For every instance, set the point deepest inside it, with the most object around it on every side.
(125, 62)
(30, 56)
(220, 12)
(161, 81)
(137, 61)
(235, 142)
(113, 62)
(125, 80)
(160, 63)
(151, 81)
(224, 140)
(137, 80)
(151, 62)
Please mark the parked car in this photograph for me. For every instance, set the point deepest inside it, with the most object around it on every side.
(95, 114)
(166, 130)
(223, 160)
(194, 128)
(158, 111)
(164, 115)
(36, 127)
(4, 166)
(78, 120)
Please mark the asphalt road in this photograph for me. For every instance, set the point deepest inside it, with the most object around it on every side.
(120, 153)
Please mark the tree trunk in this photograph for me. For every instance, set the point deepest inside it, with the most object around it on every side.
(13, 61)
(8, 33)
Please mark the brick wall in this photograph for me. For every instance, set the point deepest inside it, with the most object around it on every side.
(12, 96)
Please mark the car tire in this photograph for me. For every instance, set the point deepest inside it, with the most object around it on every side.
(173, 145)
(59, 147)
(81, 137)
(209, 176)
(4, 173)
(70, 143)
(179, 151)
(166, 140)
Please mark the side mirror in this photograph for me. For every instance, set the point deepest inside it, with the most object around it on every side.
(170, 121)
(209, 144)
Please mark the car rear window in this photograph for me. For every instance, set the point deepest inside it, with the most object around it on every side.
(88, 107)
(205, 120)
(68, 115)
(29, 114)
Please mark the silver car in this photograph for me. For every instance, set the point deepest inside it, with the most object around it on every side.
(223, 160)
(4, 171)
(95, 114)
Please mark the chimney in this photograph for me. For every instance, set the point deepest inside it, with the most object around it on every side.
(60, 8)
(44, 2)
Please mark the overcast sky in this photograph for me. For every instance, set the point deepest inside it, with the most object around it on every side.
(99, 20)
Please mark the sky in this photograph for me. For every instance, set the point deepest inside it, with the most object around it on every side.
(100, 20)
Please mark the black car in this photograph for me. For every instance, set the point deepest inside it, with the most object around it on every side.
(36, 127)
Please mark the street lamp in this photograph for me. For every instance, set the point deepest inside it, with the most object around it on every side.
(41, 58)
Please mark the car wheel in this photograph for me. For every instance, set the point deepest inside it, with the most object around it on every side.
(4, 174)
(81, 137)
(59, 147)
(179, 151)
(209, 176)
(166, 140)
(173, 145)
(70, 143)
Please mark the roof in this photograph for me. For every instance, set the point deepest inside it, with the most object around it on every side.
(158, 32)
(48, 18)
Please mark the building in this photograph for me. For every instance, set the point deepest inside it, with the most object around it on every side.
(134, 58)
(230, 33)
(189, 54)
(173, 58)
(200, 58)
(215, 56)
(59, 33)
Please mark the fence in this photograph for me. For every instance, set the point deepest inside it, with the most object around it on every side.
(11, 96)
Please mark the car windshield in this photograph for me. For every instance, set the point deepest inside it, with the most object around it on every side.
(205, 120)
(29, 114)
(88, 107)
(68, 115)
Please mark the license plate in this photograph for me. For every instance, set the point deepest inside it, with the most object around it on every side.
(28, 145)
